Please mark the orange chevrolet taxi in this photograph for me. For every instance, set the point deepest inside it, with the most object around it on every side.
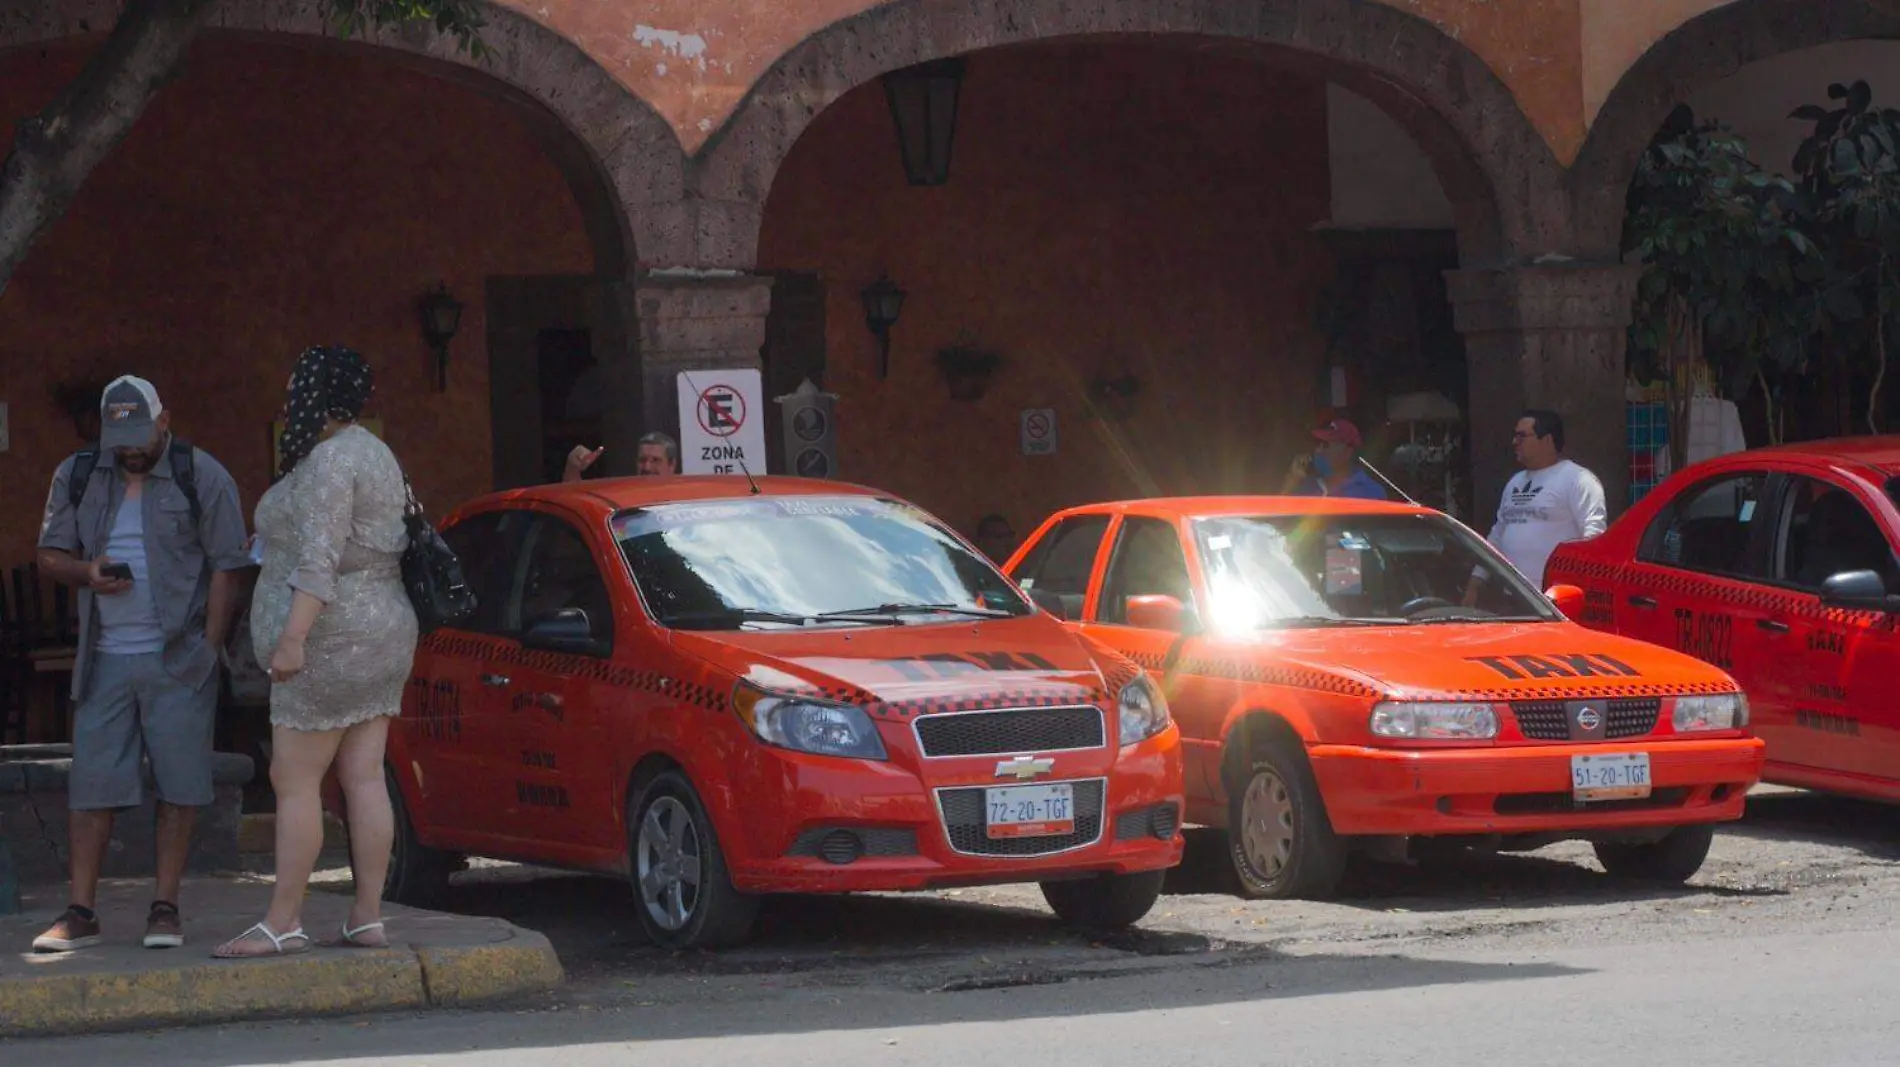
(723, 691)
(1334, 691)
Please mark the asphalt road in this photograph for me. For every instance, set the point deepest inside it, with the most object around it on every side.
(1781, 950)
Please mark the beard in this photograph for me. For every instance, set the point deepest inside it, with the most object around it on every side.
(137, 462)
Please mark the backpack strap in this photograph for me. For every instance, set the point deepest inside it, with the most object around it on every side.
(85, 461)
(185, 473)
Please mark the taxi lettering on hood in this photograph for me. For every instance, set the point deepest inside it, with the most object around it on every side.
(939, 665)
(1558, 665)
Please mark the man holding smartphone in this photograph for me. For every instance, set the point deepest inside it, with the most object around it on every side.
(150, 531)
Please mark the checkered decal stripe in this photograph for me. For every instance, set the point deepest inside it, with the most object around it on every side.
(1603, 691)
(1288, 677)
(1761, 598)
(697, 692)
(1043, 697)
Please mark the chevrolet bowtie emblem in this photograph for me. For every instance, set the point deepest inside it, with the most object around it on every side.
(1024, 767)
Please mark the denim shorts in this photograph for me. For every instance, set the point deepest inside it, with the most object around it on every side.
(135, 712)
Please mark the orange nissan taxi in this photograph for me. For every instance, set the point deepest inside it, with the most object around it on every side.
(723, 691)
(1334, 694)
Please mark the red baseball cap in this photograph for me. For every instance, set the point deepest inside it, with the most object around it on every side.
(1342, 431)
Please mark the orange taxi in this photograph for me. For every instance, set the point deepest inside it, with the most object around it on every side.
(722, 689)
(1334, 693)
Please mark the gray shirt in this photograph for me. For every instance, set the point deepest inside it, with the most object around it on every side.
(179, 558)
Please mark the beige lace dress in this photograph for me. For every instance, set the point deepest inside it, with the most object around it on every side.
(333, 528)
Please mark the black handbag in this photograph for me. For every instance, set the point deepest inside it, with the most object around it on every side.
(431, 572)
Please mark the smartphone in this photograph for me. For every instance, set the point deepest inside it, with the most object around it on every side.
(121, 571)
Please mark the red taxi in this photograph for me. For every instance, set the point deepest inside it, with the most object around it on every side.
(722, 691)
(1335, 695)
(1777, 565)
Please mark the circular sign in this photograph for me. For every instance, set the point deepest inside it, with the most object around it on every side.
(721, 410)
(813, 463)
(1036, 425)
(809, 424)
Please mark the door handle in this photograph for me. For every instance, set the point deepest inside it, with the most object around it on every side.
(495, 680)
(1639, 601)
(1771, 625)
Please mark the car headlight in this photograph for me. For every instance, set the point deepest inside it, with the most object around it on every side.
(809, 726)
(1434, 721)
(1728, 711)
(1144, 711)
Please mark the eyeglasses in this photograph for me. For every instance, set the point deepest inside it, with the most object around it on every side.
(1519, 435)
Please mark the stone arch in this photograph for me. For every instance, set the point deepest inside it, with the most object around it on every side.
(621, 159)
(1702, 50)
(1504, 182)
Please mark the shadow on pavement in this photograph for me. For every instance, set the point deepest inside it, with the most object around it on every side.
(1870, 827)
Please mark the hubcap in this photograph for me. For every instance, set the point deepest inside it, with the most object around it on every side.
(667, 863)
(1266, 830)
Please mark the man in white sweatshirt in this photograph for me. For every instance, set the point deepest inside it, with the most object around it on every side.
(1550, 501)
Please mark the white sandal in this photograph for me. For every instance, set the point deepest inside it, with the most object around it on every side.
(276, 941)
(349, 935)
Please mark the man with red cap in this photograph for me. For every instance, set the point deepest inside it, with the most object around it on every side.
(1333, 468)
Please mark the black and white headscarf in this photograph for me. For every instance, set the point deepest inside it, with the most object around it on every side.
(327, 383)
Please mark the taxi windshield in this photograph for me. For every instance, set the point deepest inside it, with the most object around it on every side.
(803, 561)
(1343, 570)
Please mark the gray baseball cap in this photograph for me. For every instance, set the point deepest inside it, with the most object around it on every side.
(128, 410)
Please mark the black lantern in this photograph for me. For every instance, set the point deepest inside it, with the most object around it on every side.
(923, 103)
(883, 302)
(441, 317)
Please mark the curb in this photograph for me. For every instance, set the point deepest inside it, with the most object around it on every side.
(320, 982)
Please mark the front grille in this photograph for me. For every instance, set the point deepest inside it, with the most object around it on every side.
(1007, 733)
(963, 821)
(1160, 821)
(1561, 803)
(846, 844)
(1548, 720)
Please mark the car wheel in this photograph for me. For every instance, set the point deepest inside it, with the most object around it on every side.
(1280, 840)
(1675, 858)
(680, 883)
(418, 875)
(1105, 901)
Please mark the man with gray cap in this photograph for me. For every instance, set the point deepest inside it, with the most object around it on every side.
(149, 529)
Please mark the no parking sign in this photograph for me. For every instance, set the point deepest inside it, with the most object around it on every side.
(722, 422)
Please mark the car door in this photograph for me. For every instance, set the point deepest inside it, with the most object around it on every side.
(1147, 609)
(1055, 571)
(558, 766)
(1699, 579)
(1833, 709)
(451, 734)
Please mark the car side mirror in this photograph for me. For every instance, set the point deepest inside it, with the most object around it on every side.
(567, 630)
(1158, 611)
(1857, 591)
(1049, 602)
(1568, 599)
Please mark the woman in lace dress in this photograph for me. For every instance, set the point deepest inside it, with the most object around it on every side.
(331, 613)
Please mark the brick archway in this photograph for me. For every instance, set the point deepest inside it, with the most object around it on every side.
(622, 161)
(1700, 51)
(1502, 178)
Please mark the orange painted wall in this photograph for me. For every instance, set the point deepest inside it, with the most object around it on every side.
(271, 199)
(1145, 205)
(694, 60)
(1616, 35)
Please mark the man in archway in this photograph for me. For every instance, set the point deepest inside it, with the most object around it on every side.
(1332, 468)
(658, 454)
(1552, 500)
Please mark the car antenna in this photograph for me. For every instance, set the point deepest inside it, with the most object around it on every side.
(749, 480)
(1388, 482)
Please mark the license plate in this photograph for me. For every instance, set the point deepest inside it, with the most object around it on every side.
(1622, 776)
(1030, 810)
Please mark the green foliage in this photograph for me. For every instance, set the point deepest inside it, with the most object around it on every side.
(1723, 244)
(461, 19)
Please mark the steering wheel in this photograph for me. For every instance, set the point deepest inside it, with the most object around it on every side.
(1421, 603)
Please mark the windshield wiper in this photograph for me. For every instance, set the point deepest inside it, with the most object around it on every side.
(887, 611)
(1315, 622)
(1479, 615)
(738, 616)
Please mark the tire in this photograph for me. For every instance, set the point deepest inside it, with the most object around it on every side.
(1674, 859)
(418, 875)
(1294, 854)
(1105, 901)
(676, 914)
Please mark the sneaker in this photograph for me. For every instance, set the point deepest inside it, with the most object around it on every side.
(163, 929)
(76, 928)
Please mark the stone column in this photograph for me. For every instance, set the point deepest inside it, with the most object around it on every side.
(695, 320)
(1546, 337)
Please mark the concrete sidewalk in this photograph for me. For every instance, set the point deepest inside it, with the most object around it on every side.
(434, 960)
